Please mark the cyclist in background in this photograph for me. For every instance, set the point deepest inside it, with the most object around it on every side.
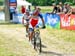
(34, 22)
(26, 18)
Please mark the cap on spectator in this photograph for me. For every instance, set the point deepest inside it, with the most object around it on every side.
(54, 4)
(60, 3)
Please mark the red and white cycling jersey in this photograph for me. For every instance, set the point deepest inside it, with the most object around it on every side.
(33, 21)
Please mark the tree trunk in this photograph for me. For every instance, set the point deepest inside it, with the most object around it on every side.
(7, 16)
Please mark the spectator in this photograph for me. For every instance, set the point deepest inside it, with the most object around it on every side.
(58, 9)
(73, 10)
(35, 7)
(55, 9)
(12, 11)
(61, 6)
(69, 9)
(29, 8)
(23, 10)
(65, 9)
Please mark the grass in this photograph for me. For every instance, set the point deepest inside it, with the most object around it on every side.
(65, 35)
(44, 9)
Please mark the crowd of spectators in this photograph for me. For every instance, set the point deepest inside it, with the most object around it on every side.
(62, 8)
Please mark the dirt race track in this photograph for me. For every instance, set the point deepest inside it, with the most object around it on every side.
(14, 41)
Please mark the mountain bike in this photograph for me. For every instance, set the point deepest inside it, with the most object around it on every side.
(36, 40)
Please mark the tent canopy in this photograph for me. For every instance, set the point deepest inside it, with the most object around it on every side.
(23, 2)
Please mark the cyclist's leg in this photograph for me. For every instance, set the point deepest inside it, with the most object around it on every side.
(27, 31)
(27, 25)
(31, 34)
(31, 31)
(26, 28)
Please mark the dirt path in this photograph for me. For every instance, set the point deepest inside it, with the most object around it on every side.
(57, 46)
(20, 45)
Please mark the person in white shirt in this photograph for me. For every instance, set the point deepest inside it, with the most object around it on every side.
(26, 18)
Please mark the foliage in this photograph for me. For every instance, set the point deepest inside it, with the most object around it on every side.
(1, 3)
(49, 2)
(46, 2)
(69, 3)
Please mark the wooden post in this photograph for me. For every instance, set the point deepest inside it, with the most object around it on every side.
(7, 15)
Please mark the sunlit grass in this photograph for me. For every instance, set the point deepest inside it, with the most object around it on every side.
(44, 9)
(65, 35)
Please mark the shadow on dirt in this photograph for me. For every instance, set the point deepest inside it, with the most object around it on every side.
(51, 53)
(43, 46)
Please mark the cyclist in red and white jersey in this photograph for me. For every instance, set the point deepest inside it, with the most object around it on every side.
(34, 22)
